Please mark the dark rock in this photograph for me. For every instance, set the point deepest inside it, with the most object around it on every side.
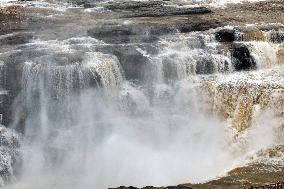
(136, 33)
(134, 64)
(225, 35)
(241, 58)
(16, 38)
(197, 25)
(83, 3)
(153, 9)
(133, 5)
(276, 36)
(146, 33)
(205, 66)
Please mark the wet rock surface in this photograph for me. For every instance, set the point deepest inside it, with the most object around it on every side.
(153, 9)
(152, 187)
(225, 35)
(148, 33)
(242, 59)
(257, 173)
(133, 62)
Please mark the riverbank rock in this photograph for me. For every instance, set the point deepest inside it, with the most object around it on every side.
(16, 38)
(225, 35)
(152, 187)
(242, 59)
(147, 32)
(153, 9)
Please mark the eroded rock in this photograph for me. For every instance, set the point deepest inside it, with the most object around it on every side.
(148, 33)
(153, 9)
(225, 35)
(153, 187)
(133, 62)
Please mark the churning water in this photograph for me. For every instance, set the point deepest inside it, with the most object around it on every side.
(88, 126)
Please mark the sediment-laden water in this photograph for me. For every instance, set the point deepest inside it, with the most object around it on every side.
(119, 97)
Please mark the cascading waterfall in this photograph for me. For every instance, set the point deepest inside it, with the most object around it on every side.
(187, 55)
(86, 126)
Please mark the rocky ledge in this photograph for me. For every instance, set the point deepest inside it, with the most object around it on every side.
(152, 187)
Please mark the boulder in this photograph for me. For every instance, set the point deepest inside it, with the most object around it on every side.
(241, 57)
(225, 35)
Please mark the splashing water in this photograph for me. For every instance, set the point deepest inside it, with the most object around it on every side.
(156, 133)
(78, 136)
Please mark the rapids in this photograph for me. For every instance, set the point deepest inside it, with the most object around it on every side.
(91, 118)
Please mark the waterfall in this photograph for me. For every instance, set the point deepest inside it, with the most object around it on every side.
(75, 131)
(185, 107)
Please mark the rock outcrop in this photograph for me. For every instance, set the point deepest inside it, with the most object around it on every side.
(152, 187)
(242, 59)
(153, 9)
(149, 32)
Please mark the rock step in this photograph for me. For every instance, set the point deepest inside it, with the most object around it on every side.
(153, 9)
(148, 33)
(152, 187)
(274, 34)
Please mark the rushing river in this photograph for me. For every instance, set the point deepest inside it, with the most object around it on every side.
(91, 119)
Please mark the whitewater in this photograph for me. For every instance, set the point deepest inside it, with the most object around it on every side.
(87, 118)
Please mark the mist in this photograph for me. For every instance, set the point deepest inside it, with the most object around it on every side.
(91, 140)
